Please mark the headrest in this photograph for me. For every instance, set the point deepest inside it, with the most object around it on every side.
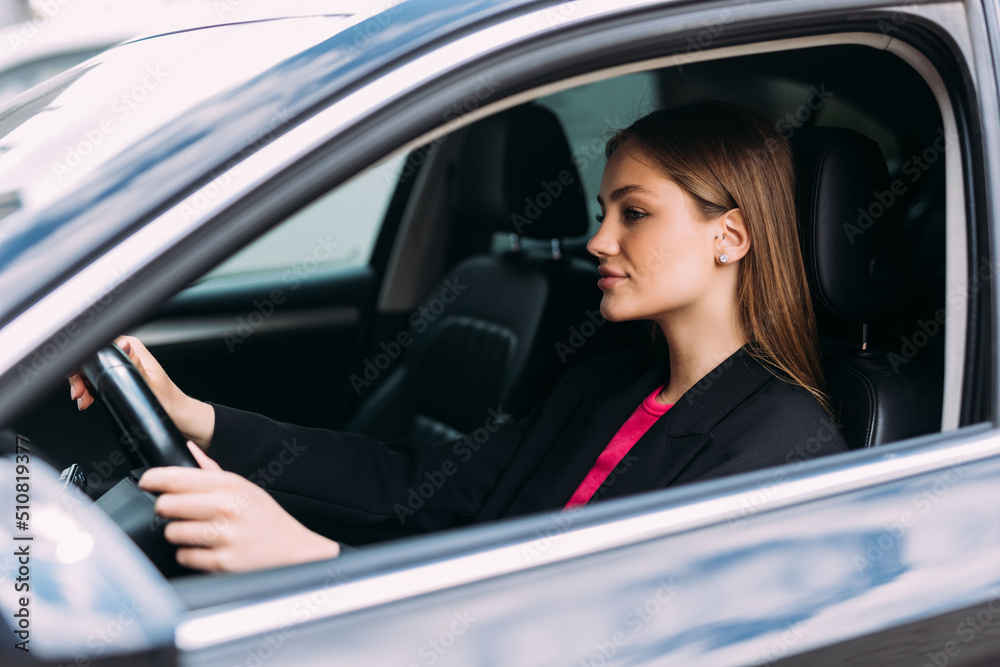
(516, 174)
(849, 220)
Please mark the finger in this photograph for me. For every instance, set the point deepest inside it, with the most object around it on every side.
(138, 352)
(201, 559)
(196, 506)
(77, 387)
(124, 343)
(195, 533)
(203, 459)
(130, 350)
(175, 479)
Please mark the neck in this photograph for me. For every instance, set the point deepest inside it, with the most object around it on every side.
(696, 346)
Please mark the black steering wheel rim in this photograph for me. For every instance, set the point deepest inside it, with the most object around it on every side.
(115, 381)
(151, 439)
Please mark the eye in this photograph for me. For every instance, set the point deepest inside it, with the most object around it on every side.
(599, 217)
(633, 214)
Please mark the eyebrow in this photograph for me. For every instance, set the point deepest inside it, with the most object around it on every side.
(622, 191)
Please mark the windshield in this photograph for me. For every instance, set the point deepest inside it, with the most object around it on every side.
(61, 131)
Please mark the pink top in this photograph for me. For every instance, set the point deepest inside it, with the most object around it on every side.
(638, 423)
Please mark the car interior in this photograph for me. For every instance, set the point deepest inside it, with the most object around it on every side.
(453, 280)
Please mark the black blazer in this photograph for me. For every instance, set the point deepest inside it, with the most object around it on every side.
(356, 489)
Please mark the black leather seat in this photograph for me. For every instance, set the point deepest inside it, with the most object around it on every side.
(851, 235)
(502, 342)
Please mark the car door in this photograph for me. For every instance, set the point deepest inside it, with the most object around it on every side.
(823, 559)
(842, 553)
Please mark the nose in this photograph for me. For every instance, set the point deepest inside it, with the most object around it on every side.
(602, 242)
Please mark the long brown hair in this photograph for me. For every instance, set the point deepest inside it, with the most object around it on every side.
(727, 156)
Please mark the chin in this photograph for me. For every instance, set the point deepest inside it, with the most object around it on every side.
(614, 315)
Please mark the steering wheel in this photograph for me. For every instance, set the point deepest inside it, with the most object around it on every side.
(115, 381)
(153, 440)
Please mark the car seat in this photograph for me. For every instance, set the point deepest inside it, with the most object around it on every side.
(850, 232)
(517, 319)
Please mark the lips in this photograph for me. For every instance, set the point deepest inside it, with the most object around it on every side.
(609, 278)
(608, 273)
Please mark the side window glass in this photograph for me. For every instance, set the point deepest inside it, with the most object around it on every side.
(338, 230)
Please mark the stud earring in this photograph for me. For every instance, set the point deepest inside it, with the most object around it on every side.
(723, 259)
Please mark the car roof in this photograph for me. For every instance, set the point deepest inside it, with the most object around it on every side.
(86, 25)
(55, 217)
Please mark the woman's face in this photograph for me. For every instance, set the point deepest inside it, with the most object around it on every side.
(651, 233)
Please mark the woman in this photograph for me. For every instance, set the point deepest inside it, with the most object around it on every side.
(698, 235)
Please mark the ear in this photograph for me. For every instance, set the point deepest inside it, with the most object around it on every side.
(734, 239)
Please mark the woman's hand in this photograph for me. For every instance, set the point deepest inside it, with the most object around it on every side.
(195, 419)
(225, 523)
